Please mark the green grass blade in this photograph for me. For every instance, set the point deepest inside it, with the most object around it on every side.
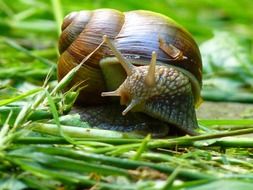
(142, 148)
(20, 97)
(57, 10)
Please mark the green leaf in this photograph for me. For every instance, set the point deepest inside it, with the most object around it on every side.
(227, 63)
(20, 97)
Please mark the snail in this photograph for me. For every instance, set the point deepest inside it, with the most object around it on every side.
(147, 59)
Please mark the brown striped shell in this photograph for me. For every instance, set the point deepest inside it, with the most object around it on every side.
(135, 33)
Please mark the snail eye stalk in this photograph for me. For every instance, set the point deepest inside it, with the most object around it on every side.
(128, 67)
(112, 93)
(150, 78)
(132, 104)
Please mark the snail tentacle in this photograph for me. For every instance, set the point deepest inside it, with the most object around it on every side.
(124, 62)
(133, 103)
(150, 78)
(112, 93)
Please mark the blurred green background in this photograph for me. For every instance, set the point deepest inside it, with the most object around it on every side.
(200, 17)
(29, 32)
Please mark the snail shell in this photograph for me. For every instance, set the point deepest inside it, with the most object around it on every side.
(136, 34)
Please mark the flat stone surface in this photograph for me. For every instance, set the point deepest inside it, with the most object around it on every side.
(225, 110)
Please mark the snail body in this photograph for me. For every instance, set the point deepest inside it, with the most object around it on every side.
(147, 59)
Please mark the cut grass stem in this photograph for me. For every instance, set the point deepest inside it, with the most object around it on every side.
(78, 132)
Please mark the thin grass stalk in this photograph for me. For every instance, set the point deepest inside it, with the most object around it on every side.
(68, 77)
(122, 163)
(58, 15)
(78, 132)
(56, 119)
(142, 148)
(60, 140)
(181, 141)
(4, 133)
(170, 180)
(187, 139)
(20, 97)
(16, 46)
